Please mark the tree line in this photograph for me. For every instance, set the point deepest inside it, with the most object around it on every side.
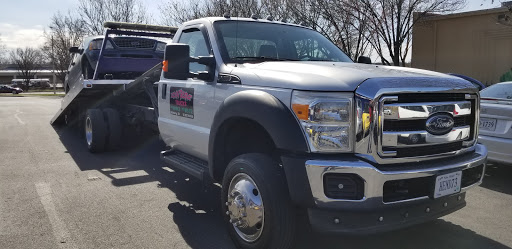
(382, 28)
(358, 27)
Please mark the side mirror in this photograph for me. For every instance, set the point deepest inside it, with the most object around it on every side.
(177, 63)
(74, 50)
(364, 60)
(210, 63)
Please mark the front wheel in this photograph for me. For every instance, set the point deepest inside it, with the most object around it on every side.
(256, 203)
(14, 92)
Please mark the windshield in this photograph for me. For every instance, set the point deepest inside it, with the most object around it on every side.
(255, 42)
(498, 91)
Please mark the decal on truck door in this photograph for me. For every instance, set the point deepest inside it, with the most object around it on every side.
(182, 102)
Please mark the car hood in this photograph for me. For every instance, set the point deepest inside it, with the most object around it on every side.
(321, 76)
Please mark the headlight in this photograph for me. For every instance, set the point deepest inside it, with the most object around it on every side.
(96, 44)
(326, 119)
(160, 46)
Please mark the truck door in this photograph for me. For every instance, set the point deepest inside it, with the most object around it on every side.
(187, 107)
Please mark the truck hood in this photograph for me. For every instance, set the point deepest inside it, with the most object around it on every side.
(321, 76)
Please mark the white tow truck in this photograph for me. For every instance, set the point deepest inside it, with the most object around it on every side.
(284, 120)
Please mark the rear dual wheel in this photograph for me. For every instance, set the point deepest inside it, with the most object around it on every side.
(102, 129)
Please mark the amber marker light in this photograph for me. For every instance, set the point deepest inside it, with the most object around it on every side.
(302, 111)
(165, 65)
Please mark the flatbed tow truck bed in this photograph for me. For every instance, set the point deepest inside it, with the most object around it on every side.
(134, 99)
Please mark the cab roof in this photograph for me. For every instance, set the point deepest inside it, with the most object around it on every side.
(244, 19)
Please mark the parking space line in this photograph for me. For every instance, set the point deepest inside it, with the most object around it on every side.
(59, 228)
(18, 118)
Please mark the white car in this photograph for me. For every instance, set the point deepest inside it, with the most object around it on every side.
(496, 121)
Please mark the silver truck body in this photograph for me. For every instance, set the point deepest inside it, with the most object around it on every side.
(380, 155)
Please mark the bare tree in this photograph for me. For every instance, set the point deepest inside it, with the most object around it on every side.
(3, 51)
(28, 61)
(347, 29)
(175, 12)
(64, 32)
(330, 17)
(391, 23)
(95, 12)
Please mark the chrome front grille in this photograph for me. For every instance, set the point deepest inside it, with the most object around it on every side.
(386, 135)
(405, 130)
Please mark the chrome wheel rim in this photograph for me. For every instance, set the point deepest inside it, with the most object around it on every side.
(245, 207)
(88, 131)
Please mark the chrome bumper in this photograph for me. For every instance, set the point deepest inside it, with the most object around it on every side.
(374, 178)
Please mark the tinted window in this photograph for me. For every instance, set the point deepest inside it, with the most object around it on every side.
(249, 41)
(195, 39)
(498, 91)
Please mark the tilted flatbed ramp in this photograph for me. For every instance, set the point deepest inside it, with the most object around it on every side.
(94, 93)
(88, 90)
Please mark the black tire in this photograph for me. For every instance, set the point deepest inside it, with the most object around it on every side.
(95, 121)
(87, 70)
(66, 88)
(14, 92)
(279, 214)
(114, 128)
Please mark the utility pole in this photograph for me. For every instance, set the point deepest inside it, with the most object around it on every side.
(53, 68)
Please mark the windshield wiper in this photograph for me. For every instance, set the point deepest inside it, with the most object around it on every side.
(319, 60)
(263, 58)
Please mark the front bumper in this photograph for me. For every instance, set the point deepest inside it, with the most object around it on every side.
(365, 214)
(382, 220)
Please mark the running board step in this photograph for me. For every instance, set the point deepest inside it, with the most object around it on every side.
(190, 164)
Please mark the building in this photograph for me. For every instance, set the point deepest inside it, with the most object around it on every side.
(8, 72)
(477, 43)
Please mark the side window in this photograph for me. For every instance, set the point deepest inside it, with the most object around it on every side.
(195, 39)
(75, 57)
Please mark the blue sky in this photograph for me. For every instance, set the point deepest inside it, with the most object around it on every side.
(22, 22)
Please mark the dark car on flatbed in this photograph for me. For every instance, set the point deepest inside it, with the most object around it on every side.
(135, 51)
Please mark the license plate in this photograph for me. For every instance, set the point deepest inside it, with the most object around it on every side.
(447, 184)
(488, 124)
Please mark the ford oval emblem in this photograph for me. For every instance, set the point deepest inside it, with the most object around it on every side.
(439, 124)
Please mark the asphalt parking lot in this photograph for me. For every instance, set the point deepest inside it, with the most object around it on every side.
(54, 194)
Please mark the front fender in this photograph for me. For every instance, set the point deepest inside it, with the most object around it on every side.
(264, 109)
